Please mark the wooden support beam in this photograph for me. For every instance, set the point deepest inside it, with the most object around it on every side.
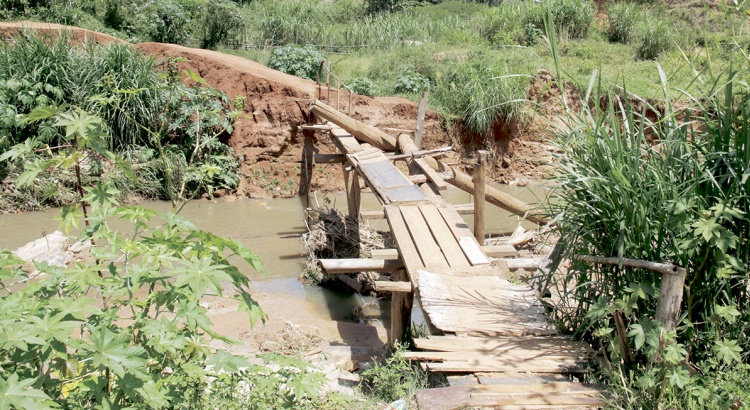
(464, 209)
(353, 189)
(367, 215)
(399, 130)
(329, 158)
(389, 286)
(401, 306)
(417, 179)
(387, 253)
(420, 119)
(464, 182)
(339, 266)
(431, 174)
(499, 251)
(358, 129)
(420, 154)
(480, 169)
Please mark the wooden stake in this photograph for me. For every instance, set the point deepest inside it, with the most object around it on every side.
(420, 120)
(401, 304)
(353, 189)
(670, 299)
(328, 82)
(479, 185)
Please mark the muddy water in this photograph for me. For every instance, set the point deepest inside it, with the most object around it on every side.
(272, 229)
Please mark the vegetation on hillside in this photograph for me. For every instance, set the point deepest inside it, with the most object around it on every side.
(166, 131)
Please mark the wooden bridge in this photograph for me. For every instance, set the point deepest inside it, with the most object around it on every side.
(492, 338)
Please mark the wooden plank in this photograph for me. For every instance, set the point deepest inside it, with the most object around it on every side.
(387, 253)
(502, 367)
(409, 255)
(399, 130)
(406, 194)
(522, 263)
(388, 286)
(344, 141)
(551, 345)
(316, 127)
(339, 266)
(461, 230)
(524, 357)
(473, 251)
(401, 306)
(372, 214)
(464, 209)
(431, 174)
(428, 249)
(499, 251)
(568, 395)
(444, 237)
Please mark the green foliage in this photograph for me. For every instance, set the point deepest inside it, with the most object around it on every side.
(623, 19)
(221, 21)
(167, 22)
(654, 37)
(363, 86)
(411, 82)
(394, 378)
(142, 333)
(572, 17)
(300, 61)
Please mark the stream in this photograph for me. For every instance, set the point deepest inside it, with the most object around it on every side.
(272, 229)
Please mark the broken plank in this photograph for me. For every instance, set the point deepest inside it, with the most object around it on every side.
(428, 249)
(502, 367)
(464, 236)
(372, 214)
(404, 243)
(464, 209)
(444, 237)
(512, 358)
(388, 286)
(522, 263)
(431, 174)
(499, 251)
(499, 344)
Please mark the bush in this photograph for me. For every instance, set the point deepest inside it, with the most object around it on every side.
(394, 378)
(411, 82)
(363, 86)
(221, 19)
(300, 61)
(654, 37)
(168, 23)
(572, 17)
(624, 17)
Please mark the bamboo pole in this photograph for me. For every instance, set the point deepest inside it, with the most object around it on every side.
(464, 182)
(479, 186)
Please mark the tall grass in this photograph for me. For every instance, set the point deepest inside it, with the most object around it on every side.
(623, 19)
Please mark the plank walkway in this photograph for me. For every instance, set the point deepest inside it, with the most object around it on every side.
(491, 336)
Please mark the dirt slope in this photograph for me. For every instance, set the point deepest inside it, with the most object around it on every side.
(266, 133)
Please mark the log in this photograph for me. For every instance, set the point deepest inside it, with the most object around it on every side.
(339, 266)
(463, 181)
(353, 192)
(479, 186)
(419, 154)
(670, 299)
(358, 129)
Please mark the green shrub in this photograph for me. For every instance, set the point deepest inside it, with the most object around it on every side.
(168, 23)
(572, 17)
(221, 20)
(394, 378)
(654, 37)
(624, 17)
(363, 86)
(300, 61)
(411, 82)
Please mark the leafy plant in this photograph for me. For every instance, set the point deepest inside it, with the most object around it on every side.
(394, 378)
(411, 82)
(624, 18)
(654, 37)
(221, 19)
(363, 86)
(300, 61)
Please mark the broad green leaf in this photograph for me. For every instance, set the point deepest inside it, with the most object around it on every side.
(251, 308)
(727, 350)
(675, 353)
(19, 394)
(31, 172)
(69, 216)
(306, 384)
(101, 194)
(600, 309)
(727, 312)
(45, 112)
(641, 290)
(198, 275)
(707, 228)
(678, 377)
(223, 361)
(113, 351)
(638, 333)
(195, 77)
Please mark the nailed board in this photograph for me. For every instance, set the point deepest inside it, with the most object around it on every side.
(444, 237)
(550, 395)
(429, 250)
(554, 345)
(344, 141)
(407, 250)
(388, 182)
(482, 306)
(464, 236)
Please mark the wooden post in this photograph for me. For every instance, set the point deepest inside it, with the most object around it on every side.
(308, 164)
(464, 182)
(320, 70)
(328, 82)
(353, 189)
(338, 92)
(420, 120)
(479, 185)
(401, 304)
(670, 299)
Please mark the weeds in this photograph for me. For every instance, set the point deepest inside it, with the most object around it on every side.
(394, 378)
